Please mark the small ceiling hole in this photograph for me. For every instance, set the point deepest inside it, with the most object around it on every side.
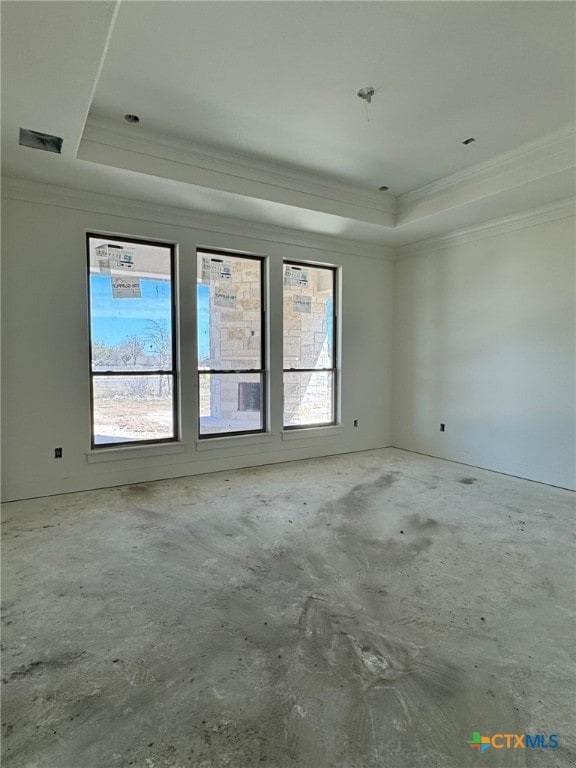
(132, 118)
(44, 141)
(468, 141)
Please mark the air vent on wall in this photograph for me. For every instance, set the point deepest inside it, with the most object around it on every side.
(44, 141)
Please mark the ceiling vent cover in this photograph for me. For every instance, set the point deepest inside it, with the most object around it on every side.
(42, 141)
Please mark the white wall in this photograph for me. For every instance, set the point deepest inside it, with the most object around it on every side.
(45, 382)
(484, 342)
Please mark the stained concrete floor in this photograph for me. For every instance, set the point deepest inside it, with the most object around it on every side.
(359, 611)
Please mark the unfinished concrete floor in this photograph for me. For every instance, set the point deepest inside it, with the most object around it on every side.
(357, 611)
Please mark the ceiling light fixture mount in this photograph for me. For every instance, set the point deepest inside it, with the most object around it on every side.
(366, 93)
(132, 119)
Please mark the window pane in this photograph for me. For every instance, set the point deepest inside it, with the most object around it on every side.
(229, 312)
(130, 306)
(129, 408)
(308, 398)
(308, 317)
(230, 402)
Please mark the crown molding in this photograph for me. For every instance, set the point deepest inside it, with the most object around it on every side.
(241, 164)
(528, 165)
(29, 191)
(547, 146)
(235, 173)
(554, 212)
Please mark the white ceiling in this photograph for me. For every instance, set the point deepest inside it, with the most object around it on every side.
(279, 80)
(249, 109)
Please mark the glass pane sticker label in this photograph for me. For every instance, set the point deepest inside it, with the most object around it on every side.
(295, 276)
(119, 257)
(126, 288)
(216, 269)
(302, 304)
(225, 297)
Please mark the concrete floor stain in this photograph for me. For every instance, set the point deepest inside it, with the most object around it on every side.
(283, 625)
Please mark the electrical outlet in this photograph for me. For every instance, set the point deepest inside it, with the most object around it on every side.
(57, 453)
(442, 427)
(356, 422)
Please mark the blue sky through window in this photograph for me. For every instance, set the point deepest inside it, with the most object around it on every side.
(114, 320)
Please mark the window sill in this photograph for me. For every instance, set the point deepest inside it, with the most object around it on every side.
(213, 443)
(305, 432)
(133, 452)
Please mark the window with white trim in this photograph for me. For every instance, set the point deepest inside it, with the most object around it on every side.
(310, 364)
(133, 383)
(231, 349)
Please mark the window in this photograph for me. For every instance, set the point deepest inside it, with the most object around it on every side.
(231, 376)
(310, 373)
(132, 341)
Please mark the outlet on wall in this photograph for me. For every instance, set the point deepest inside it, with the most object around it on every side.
(57, 453)
(356, 422)
(442, 427)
